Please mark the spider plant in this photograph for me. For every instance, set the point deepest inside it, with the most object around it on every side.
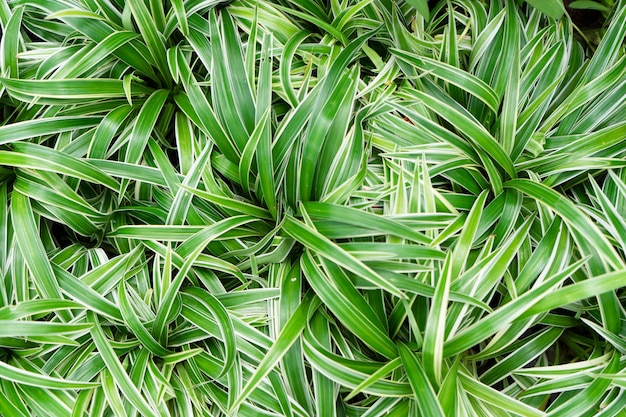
(310, 208)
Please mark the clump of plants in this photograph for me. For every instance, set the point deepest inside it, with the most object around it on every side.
(310, 208)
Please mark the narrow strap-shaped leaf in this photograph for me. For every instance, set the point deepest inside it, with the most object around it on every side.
(133, 172)
(509, 116)
(77, 290)
(190, 249)
(453, 75)
(10, 409)
(288, 53)
(106, 130)
(320, 245)
(9, 46)
(35, 307)
(164, 233)
(536, 345)
(32, 248)
(439, 133)
(508, 313)
(380, 250)
(588, 288)
(497, 398)
(326, 110)
(264, 160)
(355, 217)
(466, 239)
(24, 328)
(316, 21)
(447, 395)
(434, 334)
(199, 298)
(467, 124)
(35, 379)
(376, 376)
(48, 196)
(617, 222)
(231, 204)
(341, 297)
(324, 388)
(181, 16)
(137, 327)
(613, 39)
(293, 362)
(230, 86)
(89, 61)
(350, 372)
(617, 341)
(572, 216)
(583, 94)
(287, 337)
(152, 37)
(182, 200)
(71, 89)
(591, 394)
(247, 156)
(146, 120)
(121, 378)
(184, 142)
(96, 30)
(5, 234)
(28, 155)
(44, 126)
(423, 391)
(112, 394)
(296, 120)
(197, 108)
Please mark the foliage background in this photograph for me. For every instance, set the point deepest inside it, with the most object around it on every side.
(304, 208)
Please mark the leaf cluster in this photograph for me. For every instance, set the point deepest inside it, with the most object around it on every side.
(298, 208)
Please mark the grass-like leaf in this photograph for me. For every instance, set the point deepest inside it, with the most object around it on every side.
(311, 208)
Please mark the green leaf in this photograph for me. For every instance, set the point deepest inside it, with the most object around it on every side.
(591, 287)
(197, 108)
(25, 377)
(134, 323)
(28, 155)
(551, 8)
(336, 291)
(287, 337)
(473, 85)
(588, 5)
(196, 298)
(572, 216)
(149, 32)
(17, 328)
(89, 61)
(31, 247)
(121, 378)
(422, 8)
(422, 389)
(359, 218)
(434, 334)
(45, 126)
(331, 251)
(144, 124)
(70, 90)
(471, 128)
(498, 399)
(10, 44)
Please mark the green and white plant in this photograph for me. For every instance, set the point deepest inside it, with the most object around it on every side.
(310, 208)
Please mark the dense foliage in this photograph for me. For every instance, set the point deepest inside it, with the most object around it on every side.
(310, 208)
